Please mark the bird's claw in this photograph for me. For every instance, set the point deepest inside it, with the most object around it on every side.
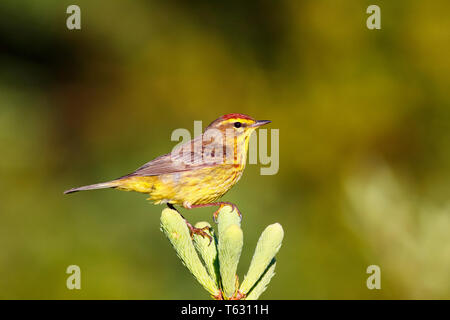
(200, 232)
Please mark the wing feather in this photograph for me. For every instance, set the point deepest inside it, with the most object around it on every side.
(185, 157)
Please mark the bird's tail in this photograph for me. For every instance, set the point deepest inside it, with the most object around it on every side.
(102, 185)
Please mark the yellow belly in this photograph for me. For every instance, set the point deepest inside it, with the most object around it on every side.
(199, 186)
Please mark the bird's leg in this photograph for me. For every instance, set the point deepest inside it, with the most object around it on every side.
(193, 230)
(216, 213)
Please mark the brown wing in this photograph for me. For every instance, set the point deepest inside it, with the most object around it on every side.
(188, 156)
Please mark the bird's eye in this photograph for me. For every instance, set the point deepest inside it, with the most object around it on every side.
(237, 124)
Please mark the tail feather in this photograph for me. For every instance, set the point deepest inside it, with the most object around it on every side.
(102, 185)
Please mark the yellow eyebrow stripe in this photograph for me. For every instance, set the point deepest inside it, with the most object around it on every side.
(246, 121)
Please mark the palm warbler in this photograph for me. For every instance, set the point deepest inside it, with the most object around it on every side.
(196, 173)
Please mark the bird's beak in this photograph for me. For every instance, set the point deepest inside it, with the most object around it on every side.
(260, 123)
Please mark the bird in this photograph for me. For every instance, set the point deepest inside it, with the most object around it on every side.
(196, 173)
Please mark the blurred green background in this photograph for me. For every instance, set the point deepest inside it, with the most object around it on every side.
(364, 141)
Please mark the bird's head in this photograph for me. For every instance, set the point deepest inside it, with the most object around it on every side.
(240, 124)
(236, 129)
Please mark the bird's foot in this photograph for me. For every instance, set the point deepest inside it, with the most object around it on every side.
(199, 231)
(223, 204)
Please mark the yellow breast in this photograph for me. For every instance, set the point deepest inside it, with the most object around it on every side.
(198, 186)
